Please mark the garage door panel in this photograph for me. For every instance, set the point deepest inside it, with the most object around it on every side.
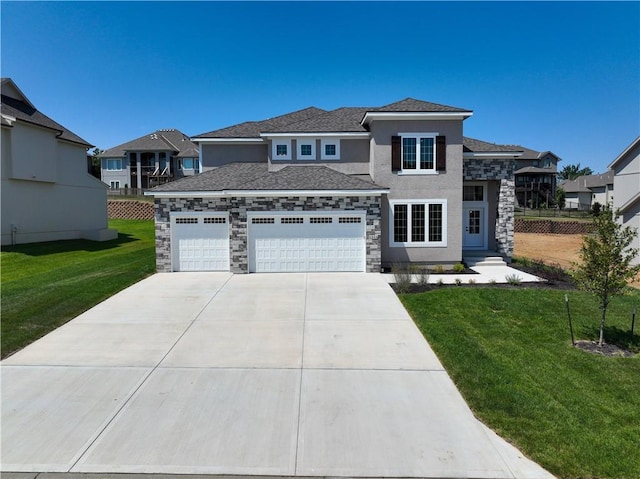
(200, 243)
(320, 242)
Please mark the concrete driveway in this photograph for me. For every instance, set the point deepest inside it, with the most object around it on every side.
(213, 373)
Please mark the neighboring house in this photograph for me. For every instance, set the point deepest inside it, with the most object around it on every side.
(151, 160)
(352, 189)
(47, 193)
(583, 192)
(626, 182)
(536, 176)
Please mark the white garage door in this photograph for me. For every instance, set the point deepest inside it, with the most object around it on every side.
(199, 242)
(324, 241)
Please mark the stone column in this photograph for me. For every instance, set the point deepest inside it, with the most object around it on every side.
(505, 218)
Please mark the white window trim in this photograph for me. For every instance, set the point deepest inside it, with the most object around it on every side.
(274, 149)
(114, 184)
(329, 141)
(422, 244)
(305, 141)
(484, 191)
(418, 170)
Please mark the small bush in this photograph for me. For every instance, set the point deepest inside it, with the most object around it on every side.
(402, 277)
(472, 281)
(458, 267)
(513, 279)
(423, 277)
(458, 282)
(439, 269)
(440, 282)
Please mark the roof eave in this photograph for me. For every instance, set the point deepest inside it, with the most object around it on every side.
(227, 140)
(491, 154)
(407, 115)
(270, 193)
(633, 144)
(332, 134)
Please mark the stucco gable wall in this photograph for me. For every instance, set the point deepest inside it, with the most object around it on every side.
(214, 155)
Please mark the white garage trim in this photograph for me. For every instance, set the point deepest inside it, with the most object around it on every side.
(199, 241)
(306, 241)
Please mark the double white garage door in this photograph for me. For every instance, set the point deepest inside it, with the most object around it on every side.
(282, 242)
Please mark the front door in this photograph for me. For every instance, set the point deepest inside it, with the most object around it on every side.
(473, 228)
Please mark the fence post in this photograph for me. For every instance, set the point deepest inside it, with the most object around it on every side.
(566, 300)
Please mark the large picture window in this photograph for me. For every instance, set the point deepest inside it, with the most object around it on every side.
(418, 223)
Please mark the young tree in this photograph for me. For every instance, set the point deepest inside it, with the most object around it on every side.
(94, 165)
(561, 198)
(607, 260)
(571, 172)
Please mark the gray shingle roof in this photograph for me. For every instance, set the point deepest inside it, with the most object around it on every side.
(411, 105)
(315, 120)
(551, 170)
(585, 183)
(256, 177)
(478, 146)
(252, 129)
(160, 140)
(22, 111)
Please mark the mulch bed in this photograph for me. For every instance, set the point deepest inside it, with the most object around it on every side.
(610, 350)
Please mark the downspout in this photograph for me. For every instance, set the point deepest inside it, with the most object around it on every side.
(14, 234)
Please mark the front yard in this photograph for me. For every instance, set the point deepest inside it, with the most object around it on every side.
(509, 353)
(44, 285)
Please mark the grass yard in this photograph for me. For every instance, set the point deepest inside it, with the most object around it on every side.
(44, 285)
(509, 352)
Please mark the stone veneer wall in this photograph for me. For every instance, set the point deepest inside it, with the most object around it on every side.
(238, 208)
(498, 170)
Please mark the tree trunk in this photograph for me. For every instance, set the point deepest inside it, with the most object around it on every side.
(602, 321)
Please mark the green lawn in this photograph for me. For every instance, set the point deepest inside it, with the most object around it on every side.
(509, 352)
(45, 285)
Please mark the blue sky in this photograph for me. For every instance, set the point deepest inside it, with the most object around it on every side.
(547, 75)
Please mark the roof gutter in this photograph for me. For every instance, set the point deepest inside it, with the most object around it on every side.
(426, 115)
(259, 193)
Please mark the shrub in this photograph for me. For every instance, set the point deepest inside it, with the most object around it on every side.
(423, 277)
(513, 279)
(439, 269)
(402, 277)
(458, 267)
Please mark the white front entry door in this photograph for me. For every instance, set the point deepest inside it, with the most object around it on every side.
(199, 242)
(301, 241)
(474, 227)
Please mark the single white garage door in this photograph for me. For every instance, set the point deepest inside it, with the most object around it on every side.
(199, 242)
(295, 241)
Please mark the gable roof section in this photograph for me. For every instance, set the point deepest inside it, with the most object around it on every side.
(160, 140)
(411, 105)
(22, 109)
(255, 177)
(621, 156)
(341, 120)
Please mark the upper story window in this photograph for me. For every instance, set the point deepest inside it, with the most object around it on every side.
(473, 193)
(114, 164)
(189, 164)
(330, 148)
(418, 153)
(281, 149)
(306, 149)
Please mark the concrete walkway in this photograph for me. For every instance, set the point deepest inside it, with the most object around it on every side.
(213, 373)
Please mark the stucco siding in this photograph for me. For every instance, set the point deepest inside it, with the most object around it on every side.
(445, 185)
(223, 154)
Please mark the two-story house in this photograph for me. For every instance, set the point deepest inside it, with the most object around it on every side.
(587, 190)
(351, 189)
(151, 160)
(626, 182)
(47, 193)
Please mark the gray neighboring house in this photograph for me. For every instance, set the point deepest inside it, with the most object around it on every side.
(583, 192)
(626, 182)
(351, 189)
(47, 193)
(151, 160)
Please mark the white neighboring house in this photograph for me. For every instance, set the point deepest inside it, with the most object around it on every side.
(47, 193)
(585, 191)
(626, 168)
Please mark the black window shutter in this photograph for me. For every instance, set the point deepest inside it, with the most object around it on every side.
(441, 153)
(396, 154)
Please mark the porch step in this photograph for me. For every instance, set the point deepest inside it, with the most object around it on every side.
(472, 261)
